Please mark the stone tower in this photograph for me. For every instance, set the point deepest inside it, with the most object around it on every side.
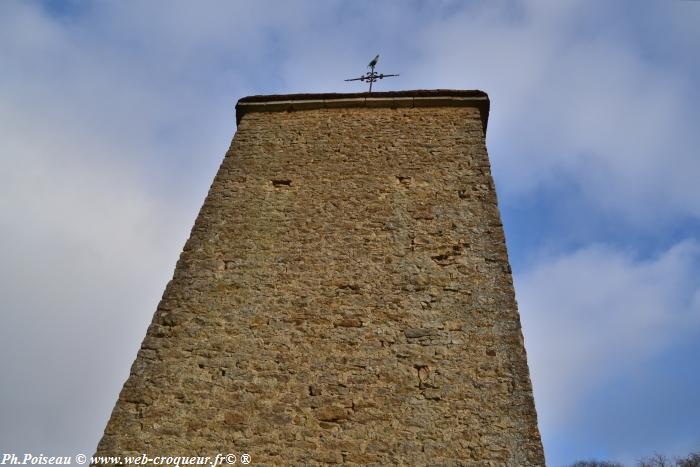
(345, 297)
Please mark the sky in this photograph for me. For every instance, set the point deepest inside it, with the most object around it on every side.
(114, 117)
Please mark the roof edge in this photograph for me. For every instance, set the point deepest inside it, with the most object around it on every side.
(388, 99)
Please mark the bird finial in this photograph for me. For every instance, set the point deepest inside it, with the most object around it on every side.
(374, 61)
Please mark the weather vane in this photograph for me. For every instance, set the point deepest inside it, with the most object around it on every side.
(371, 76)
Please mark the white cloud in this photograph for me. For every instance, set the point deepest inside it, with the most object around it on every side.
(573, 99)
(86, 252)
(88, 241)
(598, 311)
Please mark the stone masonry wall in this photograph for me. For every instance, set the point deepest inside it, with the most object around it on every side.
(345, 297)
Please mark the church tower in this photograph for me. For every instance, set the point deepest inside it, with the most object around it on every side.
(344, 297)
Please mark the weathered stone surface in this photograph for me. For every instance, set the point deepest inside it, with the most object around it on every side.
(344, 297)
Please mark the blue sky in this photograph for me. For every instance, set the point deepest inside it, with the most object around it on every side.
(114, 117)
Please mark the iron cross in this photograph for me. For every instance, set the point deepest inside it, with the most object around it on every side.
(371, 76)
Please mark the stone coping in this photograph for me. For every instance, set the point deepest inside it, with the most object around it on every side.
(390, 99)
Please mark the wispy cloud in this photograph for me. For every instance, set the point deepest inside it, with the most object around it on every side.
(573, 99)
(593, 314)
